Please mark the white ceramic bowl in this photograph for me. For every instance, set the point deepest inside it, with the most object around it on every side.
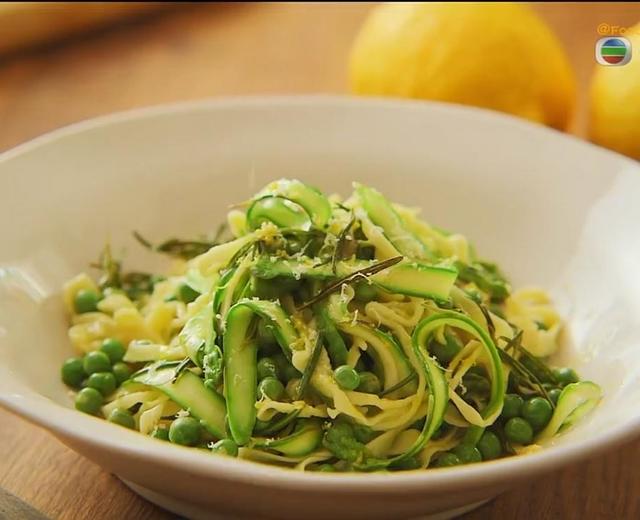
(551, 209)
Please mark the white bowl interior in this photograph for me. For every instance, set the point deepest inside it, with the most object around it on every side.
(551, 210)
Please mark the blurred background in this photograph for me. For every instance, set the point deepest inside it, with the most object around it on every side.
(64, 62)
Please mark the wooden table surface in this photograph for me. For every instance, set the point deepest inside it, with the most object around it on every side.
(204, 51)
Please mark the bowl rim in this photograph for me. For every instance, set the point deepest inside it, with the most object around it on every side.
(66, 423)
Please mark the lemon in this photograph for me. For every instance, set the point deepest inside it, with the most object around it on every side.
(615, 103)
(497, 56)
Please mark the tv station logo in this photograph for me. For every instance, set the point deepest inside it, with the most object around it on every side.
(613, 51)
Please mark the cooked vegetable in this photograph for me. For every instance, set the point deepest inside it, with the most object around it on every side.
(267, 368)
(554, 395)
(160, 433)
(186, 249)
(122, 418)
(537, 411)
(89, 400)
(328, 335)
(303, 441)
(311, 200)
(225, 447)
(72, 372)
(382, 214)
(467, 453)
(565, 376)
(447, 459)
(103, 382)
(189, 391)
(489, 446)
(185, 431)
(369, 383)
(96, 361)
(411, 278)
(512, 406)
(86, 301)
(270, 387)
(114, 349)
(121, 371)
(278, 210)
(518, 431)
(240, 360)
(575, 401)
(341, 441)
(347, 377)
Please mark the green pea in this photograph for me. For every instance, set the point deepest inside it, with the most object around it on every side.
(365, 292)
(271, 387)
(72, 372)
(293, 388)
(447, 459)
(369, 383)
(122, 418)
(266, 340)
(512, 406)
(103, 382)
(185, 431)
(96, 361)
(554, 394)
(445, 353)
(186, 294)
(566, 375)
(327, 468)
(408, 464)
(472, 435)
(114, 349)
(267, 368)
(86, 300)
(88, 400)
(286, 370)
(121, 371)
(225, 447)
(476, 384)
(489, 446)
(347, 377)
(518, 431)
(160, 433)
(537, 411)
(467, 453)
(293, 246)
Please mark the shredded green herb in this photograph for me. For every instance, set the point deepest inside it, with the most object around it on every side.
(180, 248)
(361, 274)
(311, 366)
(398, 385)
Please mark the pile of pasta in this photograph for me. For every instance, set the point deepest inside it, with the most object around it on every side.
(152, 327)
